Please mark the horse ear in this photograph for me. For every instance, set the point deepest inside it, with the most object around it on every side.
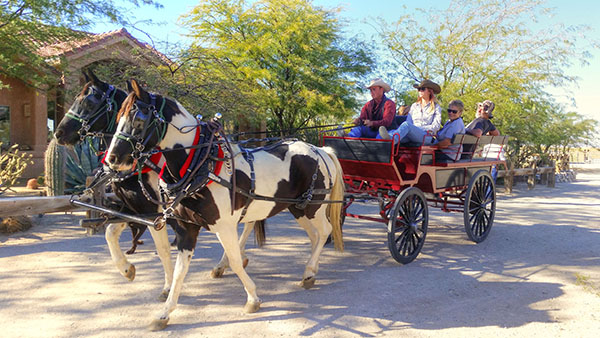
(129, 86)
(86, 76)
(94, 78)
(139, 91)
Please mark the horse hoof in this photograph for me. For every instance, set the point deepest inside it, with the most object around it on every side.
(252, 307)
(308, 283)
(217, 272)
(158, 324)
(163, 295)
(130, 273)
(245, 262)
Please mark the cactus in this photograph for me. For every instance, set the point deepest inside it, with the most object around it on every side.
(54, 165)
(12, 166)
(81, 162)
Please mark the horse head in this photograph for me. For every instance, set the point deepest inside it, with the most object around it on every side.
(145, 121)
(94, 110)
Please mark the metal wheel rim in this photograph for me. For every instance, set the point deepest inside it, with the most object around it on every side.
(408, 226)
(480, 206)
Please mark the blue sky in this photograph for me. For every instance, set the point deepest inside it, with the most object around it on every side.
(567, 12)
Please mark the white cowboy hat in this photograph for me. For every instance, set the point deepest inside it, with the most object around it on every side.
(378, 82)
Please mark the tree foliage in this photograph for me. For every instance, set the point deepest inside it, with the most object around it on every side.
(503, 50)
(287, 56)
(28, 25)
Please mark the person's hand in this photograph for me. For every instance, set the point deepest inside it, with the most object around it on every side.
(356, 122)
(368, 123)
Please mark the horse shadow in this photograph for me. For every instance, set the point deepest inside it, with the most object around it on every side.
(453, 283)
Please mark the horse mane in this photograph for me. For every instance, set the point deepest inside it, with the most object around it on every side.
(84, 90)
(126, 106)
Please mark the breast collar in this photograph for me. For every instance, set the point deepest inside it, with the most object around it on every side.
(192, 161)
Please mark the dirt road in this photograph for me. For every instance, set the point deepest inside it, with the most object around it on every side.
(537, 274)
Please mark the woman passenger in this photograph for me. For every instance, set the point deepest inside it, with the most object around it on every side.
(425, 116)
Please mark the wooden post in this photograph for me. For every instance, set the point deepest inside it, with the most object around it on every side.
(97, 198)
(509, 177)
(531, 178)
(551, 175)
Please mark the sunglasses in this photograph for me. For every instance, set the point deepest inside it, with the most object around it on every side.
(453, 111)
(421, 89)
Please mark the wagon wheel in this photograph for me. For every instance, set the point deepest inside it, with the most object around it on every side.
(480, 206)
(407, 226)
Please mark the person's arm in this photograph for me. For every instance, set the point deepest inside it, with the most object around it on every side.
(389, 112)
(476, 132)
(494, 132)
(444, 143)
(362, 116)
(477, 129)
(448, 132)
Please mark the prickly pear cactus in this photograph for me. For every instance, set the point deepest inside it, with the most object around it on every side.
(54, 165)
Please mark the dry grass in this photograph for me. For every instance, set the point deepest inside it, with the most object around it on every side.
(10, 225)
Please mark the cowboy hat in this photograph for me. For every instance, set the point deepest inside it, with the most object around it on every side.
(429, 84)
(378, 82)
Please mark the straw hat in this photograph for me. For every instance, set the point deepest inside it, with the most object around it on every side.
(378, 82)
(429, 84)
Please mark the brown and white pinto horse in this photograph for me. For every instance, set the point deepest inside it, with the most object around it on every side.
(285, 171)
(93, 114)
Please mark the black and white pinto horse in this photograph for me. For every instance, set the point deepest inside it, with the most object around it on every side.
(93, 114)
(296, 175)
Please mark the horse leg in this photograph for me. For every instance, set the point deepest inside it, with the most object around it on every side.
(223, 264)
(187, 236)
(228, 238)
(320, 227)
(161, 241)
(136, 232)
(113, 232)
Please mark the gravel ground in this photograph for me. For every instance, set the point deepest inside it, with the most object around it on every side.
(537, 274)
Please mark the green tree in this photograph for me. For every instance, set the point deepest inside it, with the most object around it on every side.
(26, 26)
(501, 50)
(287, 56)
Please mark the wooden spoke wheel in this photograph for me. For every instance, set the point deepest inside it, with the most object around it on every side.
(407, 226)
(480, 206)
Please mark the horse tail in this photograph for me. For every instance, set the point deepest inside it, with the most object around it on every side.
(259, 232)
(334, 210)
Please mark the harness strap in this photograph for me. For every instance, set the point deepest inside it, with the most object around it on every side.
(250, 159)
(228, 185)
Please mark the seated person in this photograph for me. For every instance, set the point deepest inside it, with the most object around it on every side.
(482, 125)
(443, 138)
(379, 112)
(425, 116)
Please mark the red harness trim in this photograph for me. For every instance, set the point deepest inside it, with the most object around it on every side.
(188, 160)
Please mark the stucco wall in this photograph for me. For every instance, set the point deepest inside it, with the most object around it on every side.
(28, 120)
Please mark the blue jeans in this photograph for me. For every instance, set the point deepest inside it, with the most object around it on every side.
(363, 131)
(408, 133)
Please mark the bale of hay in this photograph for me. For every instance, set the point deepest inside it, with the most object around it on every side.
(10, 225)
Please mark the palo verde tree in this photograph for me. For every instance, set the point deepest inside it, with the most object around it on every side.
(503, 50)
(28, 25)
(287, 56)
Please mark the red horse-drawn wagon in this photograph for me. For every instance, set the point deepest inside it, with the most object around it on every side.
(405, 180)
